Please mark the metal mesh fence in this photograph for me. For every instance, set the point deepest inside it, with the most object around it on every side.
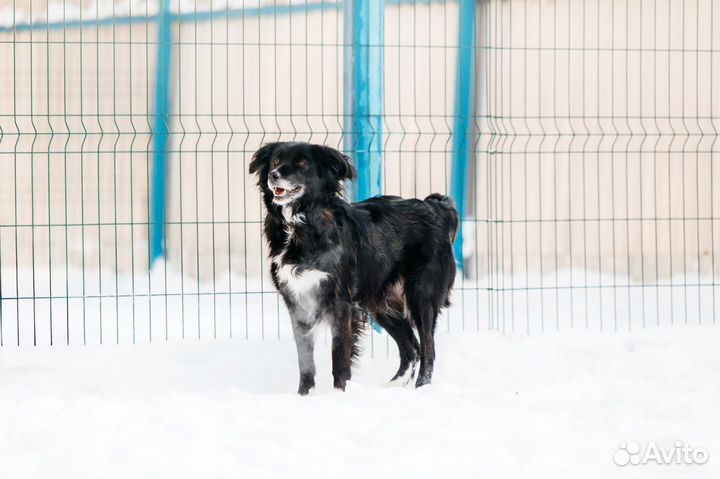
(592, 190)
(599, 158)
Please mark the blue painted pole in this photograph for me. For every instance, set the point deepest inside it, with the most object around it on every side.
(160, 136)
(462, 128)
(367, 81)
(363, 79)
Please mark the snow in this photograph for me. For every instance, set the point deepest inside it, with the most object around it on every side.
(553, 405)
(184, 386)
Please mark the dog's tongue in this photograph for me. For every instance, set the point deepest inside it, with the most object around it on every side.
(279, 191)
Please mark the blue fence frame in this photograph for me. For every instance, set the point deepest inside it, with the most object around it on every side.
(463, 128)
(363, 75)
(160, 136)
(172, 17)
(366, 67)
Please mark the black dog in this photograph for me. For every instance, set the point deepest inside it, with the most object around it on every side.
(337, 262)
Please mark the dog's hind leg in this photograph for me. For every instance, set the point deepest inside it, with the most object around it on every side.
(427, 288)
(399, 328)
(305, 342)
(425, 319)
(423, 311)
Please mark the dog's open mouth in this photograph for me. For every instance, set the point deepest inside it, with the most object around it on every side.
(285, 193)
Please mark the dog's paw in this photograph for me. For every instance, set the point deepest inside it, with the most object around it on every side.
(397, 383)
(340, 384)
(302, 391)
(423, 380)
(351, 387)
(306, 385)
(402, 380)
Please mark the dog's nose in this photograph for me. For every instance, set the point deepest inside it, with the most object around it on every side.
(275, 175)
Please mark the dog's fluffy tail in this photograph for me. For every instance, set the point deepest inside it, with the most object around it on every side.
(445, 208)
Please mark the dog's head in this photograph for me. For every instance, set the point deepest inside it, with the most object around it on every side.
(291, 171)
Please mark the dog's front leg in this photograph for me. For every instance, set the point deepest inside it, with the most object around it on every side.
(305, 343)
(342, 349)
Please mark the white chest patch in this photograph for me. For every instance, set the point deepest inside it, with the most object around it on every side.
(301, 284)
(292, 218)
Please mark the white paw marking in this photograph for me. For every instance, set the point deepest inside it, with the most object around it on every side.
(405, 379)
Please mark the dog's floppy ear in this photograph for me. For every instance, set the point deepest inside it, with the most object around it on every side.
(336, 162)
(262, 156)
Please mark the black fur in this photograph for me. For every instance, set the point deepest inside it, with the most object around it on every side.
(338, 262)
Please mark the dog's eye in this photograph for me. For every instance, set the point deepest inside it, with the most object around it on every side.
(302, 164)
(275, 161)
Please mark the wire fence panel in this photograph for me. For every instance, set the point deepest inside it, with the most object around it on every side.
(599, 162)
(593, 192)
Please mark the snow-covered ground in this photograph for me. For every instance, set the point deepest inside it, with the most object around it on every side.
(553, 405)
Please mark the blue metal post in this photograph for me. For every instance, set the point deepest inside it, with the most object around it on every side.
(367, 81)
(462, 135)
(160, 135)
(363, 78)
